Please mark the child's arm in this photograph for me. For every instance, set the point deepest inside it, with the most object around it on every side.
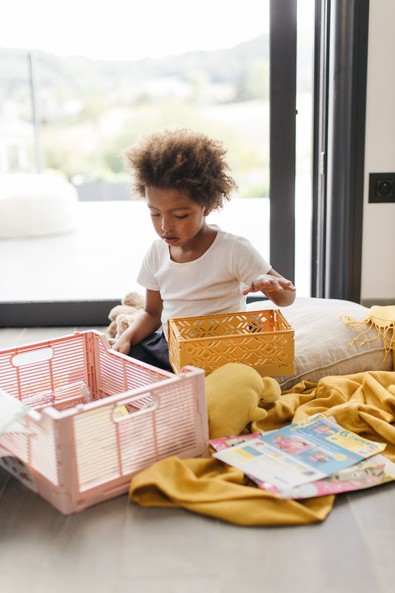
(277, 288)
(146, 323)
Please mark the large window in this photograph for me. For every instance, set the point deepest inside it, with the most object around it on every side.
(78, 87)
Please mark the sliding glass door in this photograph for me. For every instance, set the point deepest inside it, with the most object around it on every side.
(69, 110)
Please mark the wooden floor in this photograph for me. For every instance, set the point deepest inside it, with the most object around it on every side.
(118, 547)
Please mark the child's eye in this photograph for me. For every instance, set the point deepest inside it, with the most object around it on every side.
(154, 215)
(181, 216)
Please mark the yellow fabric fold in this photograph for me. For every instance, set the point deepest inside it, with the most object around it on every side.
(363, 403)
(210, 487)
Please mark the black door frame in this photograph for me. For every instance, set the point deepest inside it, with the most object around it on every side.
(283, 27)
(341, 56)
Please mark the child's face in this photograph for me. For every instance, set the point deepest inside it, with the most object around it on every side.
(176, 218)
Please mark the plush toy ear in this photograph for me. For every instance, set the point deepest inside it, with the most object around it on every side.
(115, 311)
(271, 391)
(112, 329)
(256, 425)
(133, 299)
(259, 414)
(123, 322)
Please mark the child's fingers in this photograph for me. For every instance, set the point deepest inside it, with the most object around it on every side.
(248, 290)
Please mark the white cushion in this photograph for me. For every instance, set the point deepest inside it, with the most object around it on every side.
(322, 340)
(33, 204)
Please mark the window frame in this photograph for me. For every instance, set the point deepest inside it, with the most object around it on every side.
(283, 57)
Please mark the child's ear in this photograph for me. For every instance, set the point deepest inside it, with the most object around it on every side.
(207, 211)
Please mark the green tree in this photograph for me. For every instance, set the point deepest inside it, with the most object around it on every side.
(254, 81)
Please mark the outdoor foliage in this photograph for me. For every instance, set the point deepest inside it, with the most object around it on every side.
(89, 110)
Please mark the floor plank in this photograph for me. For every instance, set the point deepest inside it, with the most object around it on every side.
(10, 337)
(374, 513)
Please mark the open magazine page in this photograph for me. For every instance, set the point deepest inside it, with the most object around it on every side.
(371, 472)
(304, 453)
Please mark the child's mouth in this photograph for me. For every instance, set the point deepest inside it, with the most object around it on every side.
(170, 240)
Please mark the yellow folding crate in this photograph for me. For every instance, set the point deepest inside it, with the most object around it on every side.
(262, 339)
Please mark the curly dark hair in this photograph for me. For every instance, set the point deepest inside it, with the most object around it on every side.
(182, 159)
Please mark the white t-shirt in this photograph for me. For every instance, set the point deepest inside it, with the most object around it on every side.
(210, 284)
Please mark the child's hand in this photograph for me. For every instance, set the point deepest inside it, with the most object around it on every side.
(268, 283)
(122, 344)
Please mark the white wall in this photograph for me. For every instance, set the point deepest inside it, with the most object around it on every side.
(378, 254)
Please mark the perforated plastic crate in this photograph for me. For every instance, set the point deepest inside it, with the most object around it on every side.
(97, 417)
(261, 339)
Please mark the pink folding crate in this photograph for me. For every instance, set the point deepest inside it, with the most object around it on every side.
(97, 417)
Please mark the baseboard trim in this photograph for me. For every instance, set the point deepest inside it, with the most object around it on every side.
(380, 302)
(56, 313)
(61, 313)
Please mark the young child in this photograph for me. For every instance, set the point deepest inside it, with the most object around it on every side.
(193, 268)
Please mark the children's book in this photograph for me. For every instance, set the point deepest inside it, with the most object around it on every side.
(311, 458)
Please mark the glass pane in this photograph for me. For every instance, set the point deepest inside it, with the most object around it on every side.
(140, 68)
(72, 102)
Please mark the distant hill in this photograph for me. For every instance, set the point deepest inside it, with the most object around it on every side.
(60, 74)
(88, 110)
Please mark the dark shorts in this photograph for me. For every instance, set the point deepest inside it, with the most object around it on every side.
(153, 350)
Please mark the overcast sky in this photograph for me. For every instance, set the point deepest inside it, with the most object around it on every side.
(129, 29)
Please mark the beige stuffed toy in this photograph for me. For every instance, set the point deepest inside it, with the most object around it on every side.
(235, 394)
(123, 315)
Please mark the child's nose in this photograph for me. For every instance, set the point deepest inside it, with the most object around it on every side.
(166, 224)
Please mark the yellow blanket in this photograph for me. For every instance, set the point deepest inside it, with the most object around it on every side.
(363, 403)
